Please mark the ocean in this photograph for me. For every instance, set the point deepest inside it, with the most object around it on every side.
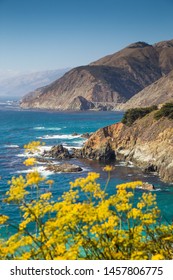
(18, 128)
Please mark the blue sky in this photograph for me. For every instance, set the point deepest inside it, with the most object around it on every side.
(52, 34)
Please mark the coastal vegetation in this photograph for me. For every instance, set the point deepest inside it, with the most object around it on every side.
(165, 111)
(84, 223)
(132, 115)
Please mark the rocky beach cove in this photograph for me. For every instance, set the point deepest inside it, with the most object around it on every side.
(147, 143)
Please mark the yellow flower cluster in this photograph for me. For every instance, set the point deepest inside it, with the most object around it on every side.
(3, 219)
(33, 146)
(84, 223)
(34, 178)
(131, 185)
(17, 191)
(30, 161)
(108, 168)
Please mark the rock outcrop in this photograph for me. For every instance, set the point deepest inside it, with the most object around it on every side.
(146, 186)
(65, 167)
(148, 143)
(80, 103)
(58, 152)
(106, 83)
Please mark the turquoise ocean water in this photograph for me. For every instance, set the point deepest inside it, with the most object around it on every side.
(20, 127)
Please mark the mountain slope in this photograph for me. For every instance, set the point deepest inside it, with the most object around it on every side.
(109, 81)
(157, 93)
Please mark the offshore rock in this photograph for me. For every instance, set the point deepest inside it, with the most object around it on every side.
(148, 187)
(65, 167)
(86, 135)
(58, 152)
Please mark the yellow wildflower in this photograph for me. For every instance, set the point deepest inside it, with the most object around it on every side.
(46, 196)
(50, 183)
(108, 168)
(33, 178)
(157, 257)
(30, 161)
(32, 146)
(3, 219)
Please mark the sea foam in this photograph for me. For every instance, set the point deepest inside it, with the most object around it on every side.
(40, 151)
(41, 169)
(59, 136)
(11, 146)
(46, 128)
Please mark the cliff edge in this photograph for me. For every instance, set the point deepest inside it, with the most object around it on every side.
(148, 143)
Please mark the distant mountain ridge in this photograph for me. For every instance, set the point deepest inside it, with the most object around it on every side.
(108, 82)
(17, 85)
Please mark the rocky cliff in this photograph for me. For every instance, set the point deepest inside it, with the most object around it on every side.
(148, 143)
(107, 82)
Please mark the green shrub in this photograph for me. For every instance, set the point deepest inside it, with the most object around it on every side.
(165, 111)
(133, 114)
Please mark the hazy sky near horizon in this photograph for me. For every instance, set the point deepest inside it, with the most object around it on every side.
(52, 34)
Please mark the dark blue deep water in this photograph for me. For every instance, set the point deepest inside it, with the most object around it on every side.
(20, 127)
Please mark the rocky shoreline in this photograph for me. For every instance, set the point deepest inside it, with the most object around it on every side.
(64, 155)
(148, 143)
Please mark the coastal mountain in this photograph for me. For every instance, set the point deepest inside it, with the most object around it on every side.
(155, 94)
(107, 82)
(15, 85)
(148, 143)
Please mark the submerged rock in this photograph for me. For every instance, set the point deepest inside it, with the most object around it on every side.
(75, 134)
(65, 167)
(86, 135)
(147, 186)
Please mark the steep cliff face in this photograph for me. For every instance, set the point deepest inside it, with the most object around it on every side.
(109, 81)
(147, 143)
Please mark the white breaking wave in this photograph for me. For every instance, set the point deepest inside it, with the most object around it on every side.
(71, 147)
(11, 146)
(39, 127)
(46, 128)
(41, 149)
(44, 148)
(41, 169)
(58, 136)
(79, 142)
